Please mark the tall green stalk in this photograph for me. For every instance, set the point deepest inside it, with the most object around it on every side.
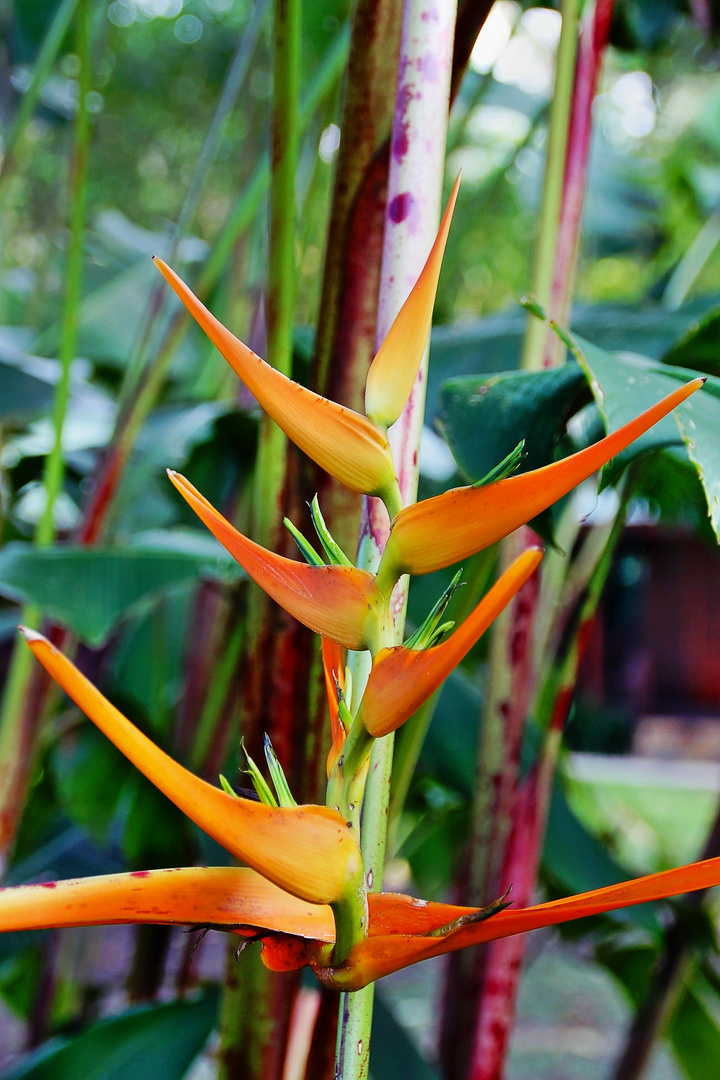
(552, 196)
(17, 725)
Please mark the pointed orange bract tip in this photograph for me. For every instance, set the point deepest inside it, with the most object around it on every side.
(401, 679)
(440, 531)
(222, 896)
(308, 851)
(346, 444)
(395, 367)
(399, 926)
(340, 602)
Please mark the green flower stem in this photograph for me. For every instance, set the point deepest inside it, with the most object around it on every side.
(18, 727)
(542, 284)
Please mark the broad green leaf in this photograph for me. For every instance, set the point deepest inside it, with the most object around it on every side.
(575, 861)
(393, 1054)
(484, 417)
(699, 347)
(624, 385)
(694, 1030)
(149, 1041)
(22, 395)
(495, 343)
(88, 590)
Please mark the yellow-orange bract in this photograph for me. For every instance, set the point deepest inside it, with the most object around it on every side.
(440, 531)
(395, 367)
(309, 851)
(346, 444)
(340, 602)
(401, 679)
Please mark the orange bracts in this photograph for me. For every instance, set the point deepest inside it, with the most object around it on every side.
(395, 367)
(401, 931)
(309, 851)
(220, 896)
(340, 602)
(440, 531)
(401, 679)
(346, 444)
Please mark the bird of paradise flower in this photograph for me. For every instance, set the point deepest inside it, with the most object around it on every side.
(302, 891)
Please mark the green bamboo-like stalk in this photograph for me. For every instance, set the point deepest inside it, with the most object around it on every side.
(551, 205)
(234, 81)
(242, 216)
(41, 69)
(17, 725)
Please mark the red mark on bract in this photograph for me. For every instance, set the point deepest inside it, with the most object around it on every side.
(400, 207)
(518, 646)
(140, 873)
(49, 884)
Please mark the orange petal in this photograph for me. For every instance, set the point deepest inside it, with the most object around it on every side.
(333, 668)
(307, 850)
(344, 443)
(221, 896)
(449, 527)
(395, 367)
(339, 602)
(397, 946)
(401, 679)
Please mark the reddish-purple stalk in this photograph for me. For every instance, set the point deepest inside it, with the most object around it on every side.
(497, 973)
(591, 49)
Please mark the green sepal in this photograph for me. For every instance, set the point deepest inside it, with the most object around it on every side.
(429, 632)
(344, 715)
(258, 780)
(335, 554)
(509, 464)
(307, 550)
(227, 787)
(277, 775)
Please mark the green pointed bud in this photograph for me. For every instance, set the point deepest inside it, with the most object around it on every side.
(258, 780)
(307, 550)
(227, 787)
(277, 775)
(429, 631)
(509, 464)
(532, 305)
(335, 554)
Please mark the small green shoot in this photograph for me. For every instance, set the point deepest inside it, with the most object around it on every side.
(258, 780)
(505, 468)
(430, 631)
(277, 775)
(335, 554)
(306, 548)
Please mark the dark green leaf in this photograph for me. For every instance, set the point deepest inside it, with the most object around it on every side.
(699, 347)
(89, 590)
(484, 418)
(624, 386)
(22, 395)
(694, 1030)
(393, 1054)
(149, 1041)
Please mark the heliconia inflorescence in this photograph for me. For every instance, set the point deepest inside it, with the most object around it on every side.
(303, 889)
